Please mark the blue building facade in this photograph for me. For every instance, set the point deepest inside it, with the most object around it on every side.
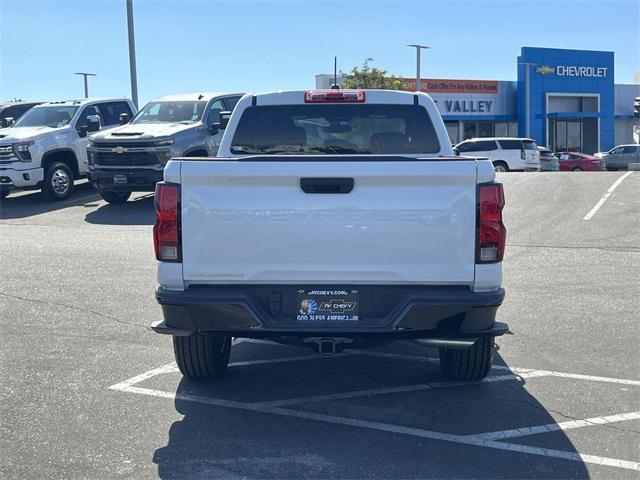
(569, 100)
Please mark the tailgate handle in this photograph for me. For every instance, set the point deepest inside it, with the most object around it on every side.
(326, 185)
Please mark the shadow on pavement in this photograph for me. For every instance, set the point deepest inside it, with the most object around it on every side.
(219, 442)
(23, 204)
(138, 211)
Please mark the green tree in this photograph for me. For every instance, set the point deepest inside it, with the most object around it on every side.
(368, 76)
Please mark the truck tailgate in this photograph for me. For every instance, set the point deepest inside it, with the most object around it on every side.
(405, 221)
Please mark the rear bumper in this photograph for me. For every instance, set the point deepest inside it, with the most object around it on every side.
(138, 180)
(269, 311)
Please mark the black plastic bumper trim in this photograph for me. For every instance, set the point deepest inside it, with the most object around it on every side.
(409, 312)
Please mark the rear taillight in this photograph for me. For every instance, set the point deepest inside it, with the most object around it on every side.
(334, 96)
(166, 232)
(491, 232)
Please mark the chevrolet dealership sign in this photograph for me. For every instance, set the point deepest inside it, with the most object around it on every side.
(573, 71)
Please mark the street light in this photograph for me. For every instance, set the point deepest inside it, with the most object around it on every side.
(418, 48)
(86, 84)
(132, 54)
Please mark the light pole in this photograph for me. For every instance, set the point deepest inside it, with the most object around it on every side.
(86, 84)
(418, 48)
(132, 54)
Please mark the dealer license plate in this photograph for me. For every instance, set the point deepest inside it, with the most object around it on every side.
(326, 304)
(120, 179)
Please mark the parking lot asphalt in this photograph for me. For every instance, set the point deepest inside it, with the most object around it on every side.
(88, 391)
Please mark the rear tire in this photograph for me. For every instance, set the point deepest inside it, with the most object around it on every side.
(472, 363)
(58, 181)
(576, 169)
(115, 197)
(500, 166)
(202, 356)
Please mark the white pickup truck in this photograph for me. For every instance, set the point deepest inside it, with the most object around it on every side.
(47, 147)
(332, 219)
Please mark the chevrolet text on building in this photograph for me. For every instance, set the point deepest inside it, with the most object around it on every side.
(572, 102)
(572, 71)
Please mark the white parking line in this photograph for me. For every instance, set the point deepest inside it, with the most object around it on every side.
(389, 390)
(607, 194)
(485, 440)
(473, 440)
(553, 427)
(543, 373)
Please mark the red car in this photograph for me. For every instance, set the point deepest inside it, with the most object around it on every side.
(580, 162)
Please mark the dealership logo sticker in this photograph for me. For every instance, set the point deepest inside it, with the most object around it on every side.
(337, 306)
(545, 70)
(308, 306)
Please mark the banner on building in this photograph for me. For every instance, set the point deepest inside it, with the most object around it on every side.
(432, 85)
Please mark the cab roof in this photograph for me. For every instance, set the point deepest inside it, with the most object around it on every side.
(297, 97)
(83, 101)
(498, 138)
(190, 97)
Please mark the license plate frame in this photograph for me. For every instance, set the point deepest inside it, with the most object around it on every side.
(328, 304)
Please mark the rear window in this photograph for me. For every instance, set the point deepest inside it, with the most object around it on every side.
(530, 145)
(335, 129)
(511, 144)
(477, 146)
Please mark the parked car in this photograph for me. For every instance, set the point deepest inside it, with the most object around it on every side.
(331, 219)
(47, 146)
(12, 111)
(580, 162)
(549, 162)
(506, 154)
(131, 158)
(619, 158)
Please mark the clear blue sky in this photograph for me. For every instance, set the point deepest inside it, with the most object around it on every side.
(190, 45)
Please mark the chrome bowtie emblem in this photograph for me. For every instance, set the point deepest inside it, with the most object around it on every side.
(119, 149)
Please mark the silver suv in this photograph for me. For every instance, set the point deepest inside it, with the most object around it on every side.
(132, 157)
(619, 158)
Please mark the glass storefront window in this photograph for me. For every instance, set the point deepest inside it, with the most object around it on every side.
(452, 130)
(574, 135)
(485, 129)
(502, 129)
(473, 129)
(470, 130)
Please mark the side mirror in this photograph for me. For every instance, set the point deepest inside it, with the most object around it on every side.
(124, 118)
(93, 123)
(82, 131)
(8, 122)
(456, 152)
(221, 124)
(224, 119)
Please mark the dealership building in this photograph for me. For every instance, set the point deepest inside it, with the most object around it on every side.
(565, 99)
